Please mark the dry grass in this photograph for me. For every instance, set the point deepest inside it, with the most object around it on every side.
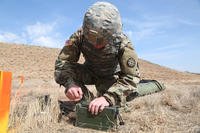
(176, 109)
(173, 110)
(26, 115)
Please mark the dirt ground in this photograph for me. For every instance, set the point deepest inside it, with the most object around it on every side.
(176, 109)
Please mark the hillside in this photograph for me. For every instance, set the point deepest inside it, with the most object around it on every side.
(38, 62)
(175, 109)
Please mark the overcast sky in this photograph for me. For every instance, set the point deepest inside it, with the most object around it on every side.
(165, 32)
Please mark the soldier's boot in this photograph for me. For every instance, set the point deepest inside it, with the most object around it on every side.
(67, 108)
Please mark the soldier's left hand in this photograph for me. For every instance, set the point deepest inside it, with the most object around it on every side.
(97, 105)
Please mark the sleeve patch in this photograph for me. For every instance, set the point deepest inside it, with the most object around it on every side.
(131, 62)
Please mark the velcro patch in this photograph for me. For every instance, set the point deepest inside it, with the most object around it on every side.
(131, 62)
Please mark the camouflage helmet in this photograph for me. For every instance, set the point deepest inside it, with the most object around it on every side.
(101, 21)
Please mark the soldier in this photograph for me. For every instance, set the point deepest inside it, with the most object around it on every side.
(111, 63)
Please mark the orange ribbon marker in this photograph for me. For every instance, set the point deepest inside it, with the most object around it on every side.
(5, 89)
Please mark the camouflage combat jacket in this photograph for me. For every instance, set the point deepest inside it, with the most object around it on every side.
(117, 59)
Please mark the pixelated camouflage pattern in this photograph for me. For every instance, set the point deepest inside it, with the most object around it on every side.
(105, 68)
(104, 18)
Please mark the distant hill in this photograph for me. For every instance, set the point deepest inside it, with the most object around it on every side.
(38, 62)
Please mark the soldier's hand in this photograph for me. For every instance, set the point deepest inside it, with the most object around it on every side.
(97, 105)
(74, 93)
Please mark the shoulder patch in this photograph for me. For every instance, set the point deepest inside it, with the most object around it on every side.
(131, 62)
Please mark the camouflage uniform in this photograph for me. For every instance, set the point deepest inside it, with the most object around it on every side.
(114, 69)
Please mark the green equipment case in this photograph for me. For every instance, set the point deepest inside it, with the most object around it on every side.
(105, 120)
(145, 87)
(149, 86)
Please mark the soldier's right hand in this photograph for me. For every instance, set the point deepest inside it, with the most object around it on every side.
(74, 93)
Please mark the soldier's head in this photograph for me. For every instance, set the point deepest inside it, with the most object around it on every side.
(101, 22)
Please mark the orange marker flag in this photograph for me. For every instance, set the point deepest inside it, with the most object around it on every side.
(5, 89)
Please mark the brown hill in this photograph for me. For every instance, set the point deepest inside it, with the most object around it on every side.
(175, 109)
(38, 62)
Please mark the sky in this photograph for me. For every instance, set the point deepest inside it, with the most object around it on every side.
(165, 32)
